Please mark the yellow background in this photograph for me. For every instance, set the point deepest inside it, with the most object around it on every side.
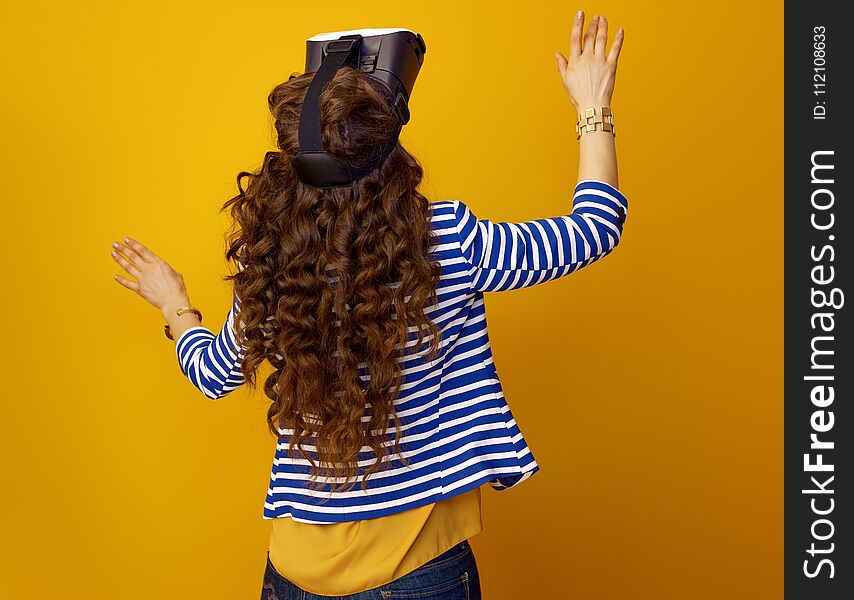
(649, 385)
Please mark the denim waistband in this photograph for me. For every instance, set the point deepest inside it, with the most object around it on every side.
(457, 550)
(448, 561)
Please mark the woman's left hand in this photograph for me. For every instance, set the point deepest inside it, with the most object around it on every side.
(156, 280)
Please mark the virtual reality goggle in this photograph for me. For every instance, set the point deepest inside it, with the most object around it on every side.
(391, 56)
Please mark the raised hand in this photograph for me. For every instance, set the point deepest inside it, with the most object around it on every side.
(589, 73)
(156, 281)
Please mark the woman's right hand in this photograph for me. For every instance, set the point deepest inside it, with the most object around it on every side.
(589, 73)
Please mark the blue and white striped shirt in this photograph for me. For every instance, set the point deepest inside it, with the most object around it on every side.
(457, 429)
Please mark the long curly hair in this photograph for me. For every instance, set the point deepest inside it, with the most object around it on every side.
(331, 281)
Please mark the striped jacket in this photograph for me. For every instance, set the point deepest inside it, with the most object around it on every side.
(457, 429)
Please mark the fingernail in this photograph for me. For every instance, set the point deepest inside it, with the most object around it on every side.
(115, 244)
(578, 14)
(127, 240)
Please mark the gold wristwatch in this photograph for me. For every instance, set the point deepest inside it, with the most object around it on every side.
(180, 311)
(602, 116)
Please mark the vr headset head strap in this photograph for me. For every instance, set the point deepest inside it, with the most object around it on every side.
(312, 163)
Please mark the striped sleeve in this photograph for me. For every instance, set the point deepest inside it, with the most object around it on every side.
(212, 362)
(506, 256)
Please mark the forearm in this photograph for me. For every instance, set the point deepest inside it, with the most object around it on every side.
(212, 362)
(597, 157)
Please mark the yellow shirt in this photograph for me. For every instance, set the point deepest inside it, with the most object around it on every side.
(337, 559)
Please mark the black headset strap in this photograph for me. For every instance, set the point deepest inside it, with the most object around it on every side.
(337, 53)
(334, 172)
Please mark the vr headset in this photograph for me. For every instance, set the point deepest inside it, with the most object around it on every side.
(391, 56)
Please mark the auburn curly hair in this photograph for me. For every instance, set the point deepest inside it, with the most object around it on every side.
(331, 281)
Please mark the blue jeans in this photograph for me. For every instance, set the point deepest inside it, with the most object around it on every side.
(450, 576)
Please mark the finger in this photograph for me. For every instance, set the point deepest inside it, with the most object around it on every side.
(132, 254)
(616, 46)
(126, 264)
(144, 252)
(601, 37)
(575, 36)
(588, 37)
(561, 63)
(131, 285)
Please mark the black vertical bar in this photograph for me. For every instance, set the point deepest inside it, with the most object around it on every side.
(818, 347)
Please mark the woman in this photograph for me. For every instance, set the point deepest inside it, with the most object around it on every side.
(367, 300)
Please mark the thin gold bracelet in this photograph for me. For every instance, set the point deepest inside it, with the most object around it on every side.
(180, 311)
(590, 118)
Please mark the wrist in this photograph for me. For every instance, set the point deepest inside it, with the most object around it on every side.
(592, 119)
(592, 103)
(170, 306)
